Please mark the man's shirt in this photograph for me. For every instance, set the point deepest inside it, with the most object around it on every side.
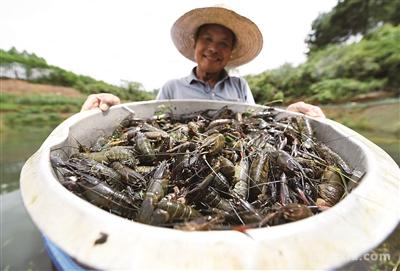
(229, 88)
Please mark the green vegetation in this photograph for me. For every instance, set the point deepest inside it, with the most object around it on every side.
(36, 110)
(350, 18)
(25, 58)
(37, 70)
(338, 72)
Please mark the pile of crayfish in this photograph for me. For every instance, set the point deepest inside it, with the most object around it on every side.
(208, 170)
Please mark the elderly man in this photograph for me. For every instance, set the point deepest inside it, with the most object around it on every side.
(215, 38)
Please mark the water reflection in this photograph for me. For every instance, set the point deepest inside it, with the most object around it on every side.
(17, 145)
(10, 175)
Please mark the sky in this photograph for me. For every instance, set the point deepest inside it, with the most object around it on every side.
(116, 40)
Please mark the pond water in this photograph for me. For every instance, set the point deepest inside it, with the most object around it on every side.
(17, 145)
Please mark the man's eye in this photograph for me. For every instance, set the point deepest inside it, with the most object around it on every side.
(205, 37)
(224, 45)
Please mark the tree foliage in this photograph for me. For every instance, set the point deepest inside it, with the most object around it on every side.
(351, 18)
(338, 68)
(337, 72)
(30, 60)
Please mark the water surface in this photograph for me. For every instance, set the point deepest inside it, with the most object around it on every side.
(17, 145)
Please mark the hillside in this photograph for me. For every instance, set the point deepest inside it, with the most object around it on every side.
(34, 69)
(337, 72)
(25, 104)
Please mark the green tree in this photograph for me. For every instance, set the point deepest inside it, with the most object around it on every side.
(337, 72)
(350, 18)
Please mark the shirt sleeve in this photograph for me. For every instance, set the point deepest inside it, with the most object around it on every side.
(248, 94)
(163, 93)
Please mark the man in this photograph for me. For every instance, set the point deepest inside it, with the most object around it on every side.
(215, 38)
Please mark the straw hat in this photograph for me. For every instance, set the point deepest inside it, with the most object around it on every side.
(249, 39)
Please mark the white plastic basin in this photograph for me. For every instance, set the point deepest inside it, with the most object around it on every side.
(341, 234)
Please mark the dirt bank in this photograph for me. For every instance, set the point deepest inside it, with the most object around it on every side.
(23, 88)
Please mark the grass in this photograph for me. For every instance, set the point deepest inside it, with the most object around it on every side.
(36, 110)
(48, 100)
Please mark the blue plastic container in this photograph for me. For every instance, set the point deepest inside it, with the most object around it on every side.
(60, 259)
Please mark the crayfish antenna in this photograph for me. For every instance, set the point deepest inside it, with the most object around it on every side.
(243, 229)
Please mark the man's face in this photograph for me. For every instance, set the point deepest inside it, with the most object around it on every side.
(213, 48)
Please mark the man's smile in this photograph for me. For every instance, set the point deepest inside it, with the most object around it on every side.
(213, 58)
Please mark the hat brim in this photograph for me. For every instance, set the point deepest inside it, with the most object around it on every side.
(249, 39)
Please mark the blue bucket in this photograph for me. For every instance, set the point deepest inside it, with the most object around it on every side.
(60, 259)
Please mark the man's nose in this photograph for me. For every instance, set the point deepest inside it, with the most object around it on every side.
(212, 47)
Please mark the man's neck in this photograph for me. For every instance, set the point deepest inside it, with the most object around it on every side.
(209, 78)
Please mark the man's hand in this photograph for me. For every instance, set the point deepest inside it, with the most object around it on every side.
(306, 109)
(100, 100)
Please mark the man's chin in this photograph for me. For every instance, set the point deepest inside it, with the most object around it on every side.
(212, 68)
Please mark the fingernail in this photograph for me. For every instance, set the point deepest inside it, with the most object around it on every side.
(103, 107)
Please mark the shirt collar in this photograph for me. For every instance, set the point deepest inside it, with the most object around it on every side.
(192, 77)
